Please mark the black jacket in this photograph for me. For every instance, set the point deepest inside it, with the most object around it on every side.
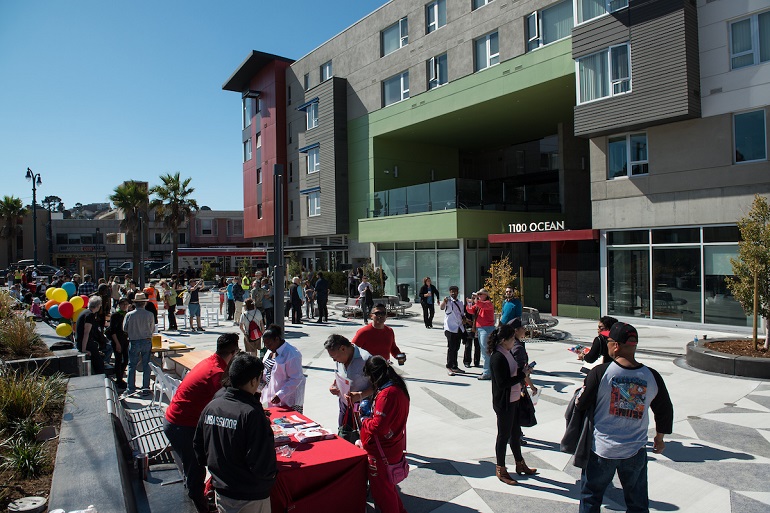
(294, 295)
(502, 381)
(424, 290)
(598, 348)
(235, 441)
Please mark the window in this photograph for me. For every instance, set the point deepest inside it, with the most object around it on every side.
(291, 172)
(326, 71)
(288, 95)
(750, 136)
(487, 52)
(312, 115)
(248, 109)
(182, 238)
(291, 131)
(247, 150)
(259, 175)
(479, 3)
(207, 227)
(158, 238)
(435, 16)
(549, 25)
(627, 155)
(395, 89)
(750, 40)
(259, 140)
(307, 81)
(314, 204)
(291, 210)
(437, 71)
(259, 105)
(313, 160)
(590, 9)
(238, 226)
(603, 74)
(259, 211)
(394, 37)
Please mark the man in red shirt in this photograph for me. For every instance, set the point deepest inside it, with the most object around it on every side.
(195, 392)
(378, 339)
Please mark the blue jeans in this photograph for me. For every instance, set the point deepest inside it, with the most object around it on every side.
(598, 474)
(137, 349)
(483, 334)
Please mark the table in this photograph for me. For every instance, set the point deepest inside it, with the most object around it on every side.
(325, 476)
(165, 350)
(183, 363)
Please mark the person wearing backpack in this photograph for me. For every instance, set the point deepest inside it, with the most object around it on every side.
(252, 326)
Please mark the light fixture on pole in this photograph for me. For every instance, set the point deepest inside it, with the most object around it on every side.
(35, 177)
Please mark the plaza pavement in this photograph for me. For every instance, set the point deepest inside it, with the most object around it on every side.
(717, 459)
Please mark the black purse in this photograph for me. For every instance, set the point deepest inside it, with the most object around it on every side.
(526, 410)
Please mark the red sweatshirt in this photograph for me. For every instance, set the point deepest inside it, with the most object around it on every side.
(388, 423)
(486, 312)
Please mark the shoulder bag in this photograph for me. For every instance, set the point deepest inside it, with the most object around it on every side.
(398, 471)
(526, 410)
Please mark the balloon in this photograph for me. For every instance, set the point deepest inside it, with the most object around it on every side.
(54, 312)
(77, 302)
(66, 309)
(70, 287)
(49, 292)
(49, 304)
(85, 300)
(64, 329)
(77, 313)
(59, 295)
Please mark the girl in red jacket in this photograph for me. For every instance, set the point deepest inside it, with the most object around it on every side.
(385, 420)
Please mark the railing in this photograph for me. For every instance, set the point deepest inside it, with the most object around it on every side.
(500, 195)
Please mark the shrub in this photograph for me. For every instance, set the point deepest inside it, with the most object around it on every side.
(25, 394)
(17, 337)
(338, 282)
(23, 458)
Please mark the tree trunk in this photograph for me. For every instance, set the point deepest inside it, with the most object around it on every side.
(175, 250)
(756, 308)
(135, 257)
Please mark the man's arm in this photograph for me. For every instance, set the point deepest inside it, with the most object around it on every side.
(199, 444)
(591, 386)
(260, 453)
(595, 352)
(663, 410)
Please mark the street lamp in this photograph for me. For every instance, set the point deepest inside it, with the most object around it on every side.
(35, 177)
(96, 251)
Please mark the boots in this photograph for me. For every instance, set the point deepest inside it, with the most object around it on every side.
(502, 475)
(522, 468)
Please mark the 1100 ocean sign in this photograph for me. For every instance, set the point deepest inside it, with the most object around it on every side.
(542, 226)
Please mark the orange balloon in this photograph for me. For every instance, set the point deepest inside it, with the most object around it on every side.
(50, 303)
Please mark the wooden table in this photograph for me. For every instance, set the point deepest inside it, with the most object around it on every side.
(183, 363)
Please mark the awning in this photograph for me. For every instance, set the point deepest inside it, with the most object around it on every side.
(309, 147)
(311, 189)
(554, 236)
(216, 252)
(307, 104)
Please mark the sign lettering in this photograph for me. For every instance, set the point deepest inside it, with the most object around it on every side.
(542, 226)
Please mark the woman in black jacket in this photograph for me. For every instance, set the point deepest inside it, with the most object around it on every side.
(599, 347)
(428, 298)
(507, 379)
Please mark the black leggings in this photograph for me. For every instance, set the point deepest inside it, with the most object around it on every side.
(508, 431)
(97, 361)
(428, 311)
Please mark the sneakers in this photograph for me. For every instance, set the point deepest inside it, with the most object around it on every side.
(450, 372)
(484, 377)
(458, 370)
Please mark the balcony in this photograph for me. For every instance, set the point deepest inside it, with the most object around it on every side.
(462, 193)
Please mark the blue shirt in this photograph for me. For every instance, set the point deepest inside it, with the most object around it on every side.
(230, 291)
(511, 309)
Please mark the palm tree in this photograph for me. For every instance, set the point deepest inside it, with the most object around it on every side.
(11, 212)
(174, 205)
(133, 199)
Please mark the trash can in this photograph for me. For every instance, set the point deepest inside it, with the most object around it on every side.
(403, 291)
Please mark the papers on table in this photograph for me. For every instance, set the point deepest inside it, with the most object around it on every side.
(294, 428)
(343, 384)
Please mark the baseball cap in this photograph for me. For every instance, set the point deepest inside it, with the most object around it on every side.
(621, 332)
(516, 322)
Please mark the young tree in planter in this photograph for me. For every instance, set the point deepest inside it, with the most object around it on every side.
(501, 275)
(751, 284)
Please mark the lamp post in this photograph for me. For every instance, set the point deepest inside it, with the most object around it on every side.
(35, 177)
(96, 251)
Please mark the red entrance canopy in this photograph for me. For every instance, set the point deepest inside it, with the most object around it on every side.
(554, 236)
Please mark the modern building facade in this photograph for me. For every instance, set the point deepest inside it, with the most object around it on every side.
(607, 146)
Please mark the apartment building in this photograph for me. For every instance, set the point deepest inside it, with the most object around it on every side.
(607, 146)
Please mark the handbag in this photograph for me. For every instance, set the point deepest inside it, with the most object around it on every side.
(526, 410)
(396, 472)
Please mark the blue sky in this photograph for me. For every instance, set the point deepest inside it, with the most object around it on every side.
(96, 92)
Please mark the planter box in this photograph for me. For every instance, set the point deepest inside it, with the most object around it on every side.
(713, 361)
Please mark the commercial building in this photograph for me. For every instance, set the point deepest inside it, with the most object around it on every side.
(607, 146)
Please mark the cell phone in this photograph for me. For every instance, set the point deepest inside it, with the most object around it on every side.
(532, 365)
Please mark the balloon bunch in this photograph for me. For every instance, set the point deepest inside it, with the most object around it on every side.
(63, 304)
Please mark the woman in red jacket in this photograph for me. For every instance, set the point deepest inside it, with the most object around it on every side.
(384, 421)
(483, 311)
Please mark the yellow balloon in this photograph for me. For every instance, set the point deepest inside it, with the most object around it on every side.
(64, 329)
(59, 295)
(77, 313)
(49, 292)
(77, 302)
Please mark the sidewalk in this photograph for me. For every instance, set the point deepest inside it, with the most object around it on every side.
(717, 459)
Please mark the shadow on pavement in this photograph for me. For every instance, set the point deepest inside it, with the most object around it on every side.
(699, 453)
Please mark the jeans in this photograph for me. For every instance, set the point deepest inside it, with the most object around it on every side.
(181, 439)
(323, 311)
(137, 349)
(453, 341)
(365, 310)
(483, 333)
(598, 474)
(107, 352)
(508, 432)
(309, 309)
(121, 360)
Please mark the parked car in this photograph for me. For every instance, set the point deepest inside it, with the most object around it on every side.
(163, 271)
(122, 269)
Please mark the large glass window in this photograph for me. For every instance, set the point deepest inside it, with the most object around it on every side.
(395, 89)
(676, 274)
(313, 160)
(720, 305)
(606, 73)
(247, 150)
(627, 155)
(437, 71)
(590, 9)
(388, 264)
(405, 271)
(750, 40)
(248, 111)
(312, 115)
(549, 25)
(435, 16)
(750, 136)
(314, 204)
(394, 37)
(628, 287)
(487, 51)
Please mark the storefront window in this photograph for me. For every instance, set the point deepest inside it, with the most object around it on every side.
(676, 236)
(426, 266)
(677, 291)
(405, 270)
(448, 272)
(628, 289)
(388, 263)
(720, 306)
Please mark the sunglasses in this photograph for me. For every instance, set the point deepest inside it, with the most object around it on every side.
(379, 314)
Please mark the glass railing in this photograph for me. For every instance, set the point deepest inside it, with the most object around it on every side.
(463, 193)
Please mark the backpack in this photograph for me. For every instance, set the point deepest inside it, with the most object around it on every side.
(368, 297)
(254, 332)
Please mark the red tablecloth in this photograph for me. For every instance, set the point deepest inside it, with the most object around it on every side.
(325, 476)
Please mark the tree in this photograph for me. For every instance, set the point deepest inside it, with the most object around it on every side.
(133, 199)
(374, 279)
(207, 272)
(11, 212)
(53, 204)
(501, 275)
(294, 267)
(174, 205)
(751, 284)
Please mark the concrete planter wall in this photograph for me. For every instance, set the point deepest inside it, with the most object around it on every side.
(66, 361)
(723, 363)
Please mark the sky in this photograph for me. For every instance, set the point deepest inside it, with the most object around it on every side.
(93, 93)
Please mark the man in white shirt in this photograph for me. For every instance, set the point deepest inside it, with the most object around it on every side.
(453, 329)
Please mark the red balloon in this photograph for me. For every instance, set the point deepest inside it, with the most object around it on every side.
(85, 301)
(66, 309)
(50, 303)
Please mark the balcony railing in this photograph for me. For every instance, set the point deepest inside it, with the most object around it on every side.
(463, 193)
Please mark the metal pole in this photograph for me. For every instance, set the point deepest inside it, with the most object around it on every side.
(140, 274)
(278, 275)
(96, 253)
